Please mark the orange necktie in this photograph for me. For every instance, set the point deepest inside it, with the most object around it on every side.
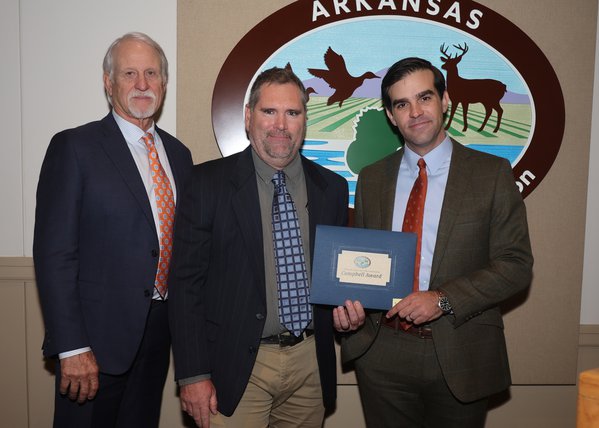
(413, 218)
(165, 204)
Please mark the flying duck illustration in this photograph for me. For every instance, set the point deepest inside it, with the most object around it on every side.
(339, 78)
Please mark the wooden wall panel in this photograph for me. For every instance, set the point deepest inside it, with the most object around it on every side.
(13, 394)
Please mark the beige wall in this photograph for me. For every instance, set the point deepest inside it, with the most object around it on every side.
(589, 314)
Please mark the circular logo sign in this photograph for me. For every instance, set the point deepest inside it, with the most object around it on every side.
(505, 96)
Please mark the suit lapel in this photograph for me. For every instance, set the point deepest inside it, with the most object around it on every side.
(457, 184)
(170, 153)
(315, 189)
(246, 205)
(115, 146)
(388, 188)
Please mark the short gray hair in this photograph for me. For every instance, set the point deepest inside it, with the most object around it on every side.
(279, 76)
(108, 64)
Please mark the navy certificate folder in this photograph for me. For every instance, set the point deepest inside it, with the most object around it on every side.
(375, 267)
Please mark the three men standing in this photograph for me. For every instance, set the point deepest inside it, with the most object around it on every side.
(247, 345)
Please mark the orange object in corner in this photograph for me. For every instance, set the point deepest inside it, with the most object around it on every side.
(587, 414)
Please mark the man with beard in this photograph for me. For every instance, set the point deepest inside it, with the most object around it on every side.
(102, 246)
(235, 349)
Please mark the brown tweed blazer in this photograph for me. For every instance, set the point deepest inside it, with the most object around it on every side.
(482, 257)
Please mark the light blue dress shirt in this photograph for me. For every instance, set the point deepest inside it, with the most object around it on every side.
(437, 169)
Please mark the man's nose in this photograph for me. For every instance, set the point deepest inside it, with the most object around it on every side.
(281, 121)
(142, 82)
(415, 110)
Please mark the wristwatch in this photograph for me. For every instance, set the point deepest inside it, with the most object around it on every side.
(443, 303)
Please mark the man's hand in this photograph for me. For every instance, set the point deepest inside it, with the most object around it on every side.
(418, 308)
(79, 377)
(349, 317)
(198, 400)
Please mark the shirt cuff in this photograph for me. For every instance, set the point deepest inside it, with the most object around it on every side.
(193, 379)
(74, 352)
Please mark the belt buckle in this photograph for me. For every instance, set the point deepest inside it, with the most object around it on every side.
(425, 332)
(288, 339)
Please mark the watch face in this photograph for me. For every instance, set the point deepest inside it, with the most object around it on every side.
(444, 304)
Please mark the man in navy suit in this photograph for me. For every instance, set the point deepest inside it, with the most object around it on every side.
(102, 247)
(232, 353)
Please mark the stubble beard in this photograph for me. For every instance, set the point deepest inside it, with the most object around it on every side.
(278, 154)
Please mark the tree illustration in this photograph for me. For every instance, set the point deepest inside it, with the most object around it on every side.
(375, 139)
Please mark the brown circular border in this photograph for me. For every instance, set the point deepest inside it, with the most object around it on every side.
(295, 19)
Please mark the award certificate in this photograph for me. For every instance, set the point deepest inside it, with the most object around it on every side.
(375, 267)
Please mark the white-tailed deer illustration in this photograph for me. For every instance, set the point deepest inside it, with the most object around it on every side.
(488, 92)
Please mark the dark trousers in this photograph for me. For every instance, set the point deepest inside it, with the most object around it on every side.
(401, 386)
(132, 399)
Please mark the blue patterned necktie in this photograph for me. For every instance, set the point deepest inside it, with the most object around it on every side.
(290, 263)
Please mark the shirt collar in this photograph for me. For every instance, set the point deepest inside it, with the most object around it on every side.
(434, 159)
(130, 131)
(265, 172)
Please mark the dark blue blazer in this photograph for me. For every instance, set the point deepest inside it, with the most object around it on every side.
(217, 289)
(95, 245)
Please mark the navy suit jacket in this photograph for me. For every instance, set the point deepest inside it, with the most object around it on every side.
(218, 296)
(95, 244)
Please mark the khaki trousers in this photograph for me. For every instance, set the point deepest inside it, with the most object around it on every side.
(283, 391)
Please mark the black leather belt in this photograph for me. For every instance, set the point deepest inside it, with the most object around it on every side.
(422, 331)
(286, 339)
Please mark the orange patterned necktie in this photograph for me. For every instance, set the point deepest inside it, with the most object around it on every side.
(413, 218)
(165, 204)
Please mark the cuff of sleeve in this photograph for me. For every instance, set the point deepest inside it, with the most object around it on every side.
(74, 352)
(193, 379)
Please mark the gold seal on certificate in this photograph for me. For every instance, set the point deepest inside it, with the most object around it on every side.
(356, 267)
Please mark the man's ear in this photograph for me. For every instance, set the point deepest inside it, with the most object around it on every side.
(445, 101)
(390, 116)
(247, 117)
(107, 84)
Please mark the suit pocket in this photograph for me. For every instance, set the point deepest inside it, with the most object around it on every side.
(489, 318)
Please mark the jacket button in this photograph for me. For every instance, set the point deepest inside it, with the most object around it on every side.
(147, 293)
(259, 316)
(155, 253)
(252, 349)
